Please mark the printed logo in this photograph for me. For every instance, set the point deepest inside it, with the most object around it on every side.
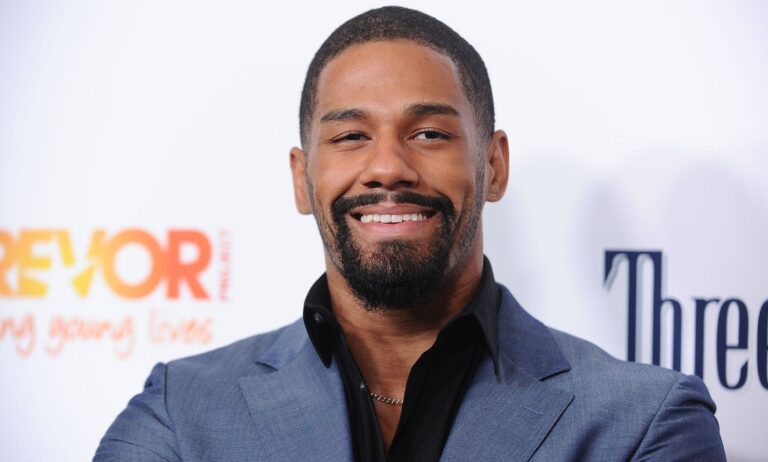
(733, 316)
(172, 263)
(166, 267)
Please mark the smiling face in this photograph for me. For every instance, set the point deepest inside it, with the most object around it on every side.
(395, 171)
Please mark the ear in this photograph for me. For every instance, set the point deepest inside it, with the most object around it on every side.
(497, 168)
(298, 172)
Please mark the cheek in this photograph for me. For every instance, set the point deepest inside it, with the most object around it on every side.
(331, 178)
(455, 180)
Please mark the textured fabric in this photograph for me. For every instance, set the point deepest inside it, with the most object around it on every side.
(555, 398)
(436, 383)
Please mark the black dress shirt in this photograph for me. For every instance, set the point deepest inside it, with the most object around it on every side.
(436, 384)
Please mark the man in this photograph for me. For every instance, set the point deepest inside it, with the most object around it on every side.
(408, 348)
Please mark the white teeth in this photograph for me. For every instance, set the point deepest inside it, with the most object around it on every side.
(376, 218)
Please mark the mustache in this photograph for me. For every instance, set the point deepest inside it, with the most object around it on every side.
(343, 205)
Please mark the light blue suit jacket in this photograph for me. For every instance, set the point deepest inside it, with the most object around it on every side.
(556, 398)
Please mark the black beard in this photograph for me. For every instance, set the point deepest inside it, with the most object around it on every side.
(397, 275)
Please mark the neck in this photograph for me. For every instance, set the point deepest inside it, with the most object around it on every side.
(386, 343)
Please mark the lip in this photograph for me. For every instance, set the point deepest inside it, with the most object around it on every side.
(404, 229)
(389, 208)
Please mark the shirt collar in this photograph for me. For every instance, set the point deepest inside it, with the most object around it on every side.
(484, 306)
(323, 327)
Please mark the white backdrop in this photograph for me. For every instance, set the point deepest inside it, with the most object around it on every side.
(634, 126)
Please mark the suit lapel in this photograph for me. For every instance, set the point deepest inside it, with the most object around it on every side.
(507, 417)
(298, 405)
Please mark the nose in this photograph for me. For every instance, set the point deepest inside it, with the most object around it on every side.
(389, 166)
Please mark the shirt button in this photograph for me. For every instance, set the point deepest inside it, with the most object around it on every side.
(362, 386)
(318, 318)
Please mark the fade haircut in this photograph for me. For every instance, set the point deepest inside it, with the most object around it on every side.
(392, 23)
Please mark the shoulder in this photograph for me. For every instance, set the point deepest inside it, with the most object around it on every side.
(227, 364)
(209, 384)
(196, 399)
(590, 363)
(590, 373)
(659, 414)
(603, 383)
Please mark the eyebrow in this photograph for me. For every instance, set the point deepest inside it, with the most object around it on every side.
(341, 115)
(432, 109)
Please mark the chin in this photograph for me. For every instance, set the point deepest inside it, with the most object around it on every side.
(396, 274)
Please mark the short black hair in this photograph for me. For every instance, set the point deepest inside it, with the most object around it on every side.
(392, 23)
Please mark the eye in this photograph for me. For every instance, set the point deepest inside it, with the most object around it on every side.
(348, 137)
(431, 134)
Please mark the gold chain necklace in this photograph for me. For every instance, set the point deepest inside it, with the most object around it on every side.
(385, 400)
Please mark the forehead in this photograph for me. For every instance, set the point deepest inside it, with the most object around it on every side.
(386, 76)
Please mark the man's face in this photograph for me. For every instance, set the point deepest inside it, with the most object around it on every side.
(394, 171)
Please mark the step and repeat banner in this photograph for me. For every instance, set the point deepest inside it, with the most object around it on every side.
(146, 209)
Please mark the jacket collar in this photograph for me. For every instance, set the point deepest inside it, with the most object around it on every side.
(298, 406)
(527, 343)
(507, 417)
(288, 343)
